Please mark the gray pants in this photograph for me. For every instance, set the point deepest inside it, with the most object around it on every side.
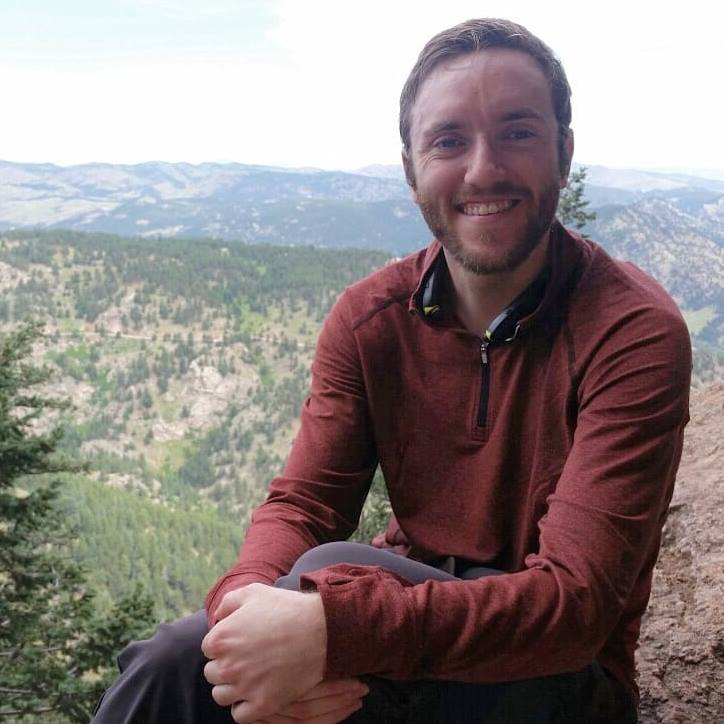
(162, 678)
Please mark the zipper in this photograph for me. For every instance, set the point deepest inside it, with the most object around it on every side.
(484, 379)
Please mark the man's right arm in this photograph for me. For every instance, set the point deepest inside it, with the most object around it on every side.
(320, 493)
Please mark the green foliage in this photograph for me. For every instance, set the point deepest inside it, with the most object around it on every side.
(139, 329)
(375, 513)
(231, 277)
(176, 551)
(572, 203)
(55, 648)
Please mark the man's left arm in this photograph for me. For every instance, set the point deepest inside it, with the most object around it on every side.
(601, 528)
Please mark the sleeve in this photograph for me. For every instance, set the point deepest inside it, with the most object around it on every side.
(601, 528)
(319, 496)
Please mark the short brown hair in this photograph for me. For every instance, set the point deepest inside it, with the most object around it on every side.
(484, 34)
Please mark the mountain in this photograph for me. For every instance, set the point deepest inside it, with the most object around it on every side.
(370, 207)
(228, 201)
(642, 181)
(684, 251)
(670, 224)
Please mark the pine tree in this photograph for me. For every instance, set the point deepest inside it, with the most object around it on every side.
(572, 203)
(56, 649)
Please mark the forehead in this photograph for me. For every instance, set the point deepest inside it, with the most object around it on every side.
(488, 82)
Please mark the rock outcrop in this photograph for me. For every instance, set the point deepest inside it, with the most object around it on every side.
(681, 655)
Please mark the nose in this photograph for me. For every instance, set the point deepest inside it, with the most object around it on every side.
(483, 163)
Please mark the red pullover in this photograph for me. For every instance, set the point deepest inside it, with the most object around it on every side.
(549, 453)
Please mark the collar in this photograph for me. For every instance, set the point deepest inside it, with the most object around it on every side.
(431, 298)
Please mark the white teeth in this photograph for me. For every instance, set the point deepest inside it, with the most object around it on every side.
(484, 209)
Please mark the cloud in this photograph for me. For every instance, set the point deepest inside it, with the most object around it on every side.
(194, 9)
(316, 83)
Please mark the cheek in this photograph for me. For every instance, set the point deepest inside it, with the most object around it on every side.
(436, 182)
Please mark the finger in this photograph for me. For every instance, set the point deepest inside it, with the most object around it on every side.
(242, 712)
(331, 687)
(225, 694)
(211, 672)
(210, 644)
(229, 603)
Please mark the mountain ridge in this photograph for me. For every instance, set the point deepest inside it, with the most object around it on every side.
(668, 225)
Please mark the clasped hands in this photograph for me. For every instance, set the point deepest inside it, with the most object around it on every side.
(267, 657)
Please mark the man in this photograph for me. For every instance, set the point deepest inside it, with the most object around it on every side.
(525, 396)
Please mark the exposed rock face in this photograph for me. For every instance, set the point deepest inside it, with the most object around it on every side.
(681, 658)
(207, 393)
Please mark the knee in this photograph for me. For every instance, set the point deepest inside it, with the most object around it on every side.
(173, 646)
(326, 554)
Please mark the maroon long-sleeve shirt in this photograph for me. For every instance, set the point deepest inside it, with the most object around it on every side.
(550, 454)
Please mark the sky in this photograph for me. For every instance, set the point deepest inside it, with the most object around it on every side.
(302, 83)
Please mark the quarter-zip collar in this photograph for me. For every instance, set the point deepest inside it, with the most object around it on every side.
(432, 299)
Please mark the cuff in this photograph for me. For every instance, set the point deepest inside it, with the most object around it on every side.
(371, 628)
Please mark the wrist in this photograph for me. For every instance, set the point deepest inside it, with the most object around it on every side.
(317, 627)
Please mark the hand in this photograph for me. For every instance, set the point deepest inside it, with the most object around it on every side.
(327, 703)
(267, 651)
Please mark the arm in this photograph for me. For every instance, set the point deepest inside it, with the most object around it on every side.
(320, 494)
(601, 528)
(267, 646)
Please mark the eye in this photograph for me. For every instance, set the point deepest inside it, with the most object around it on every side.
(518, 134)
(447, 143)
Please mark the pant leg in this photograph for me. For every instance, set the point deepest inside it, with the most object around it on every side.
(360, 554)
(162, 680)
(589, 696)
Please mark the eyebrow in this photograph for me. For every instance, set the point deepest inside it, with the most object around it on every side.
(442, 127)
(522, 114)
(518, 114)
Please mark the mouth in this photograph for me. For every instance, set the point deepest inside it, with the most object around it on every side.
(486, 209)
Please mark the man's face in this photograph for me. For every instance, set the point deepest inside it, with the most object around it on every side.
(483, 158)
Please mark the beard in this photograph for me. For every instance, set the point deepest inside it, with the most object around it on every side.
(489, 253)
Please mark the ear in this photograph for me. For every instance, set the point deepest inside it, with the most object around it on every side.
(409, 173)
(566, 151)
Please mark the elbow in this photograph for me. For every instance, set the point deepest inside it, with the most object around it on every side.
(584, 613)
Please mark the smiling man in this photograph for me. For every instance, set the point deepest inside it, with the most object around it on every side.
(525, 396)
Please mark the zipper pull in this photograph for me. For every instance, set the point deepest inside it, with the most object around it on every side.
(484, 342)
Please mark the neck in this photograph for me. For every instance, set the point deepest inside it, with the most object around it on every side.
(480, 298)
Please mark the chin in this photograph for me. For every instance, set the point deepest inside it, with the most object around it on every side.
(500, 249)
(495, 260)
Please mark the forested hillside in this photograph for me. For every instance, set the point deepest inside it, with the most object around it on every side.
(186, 362)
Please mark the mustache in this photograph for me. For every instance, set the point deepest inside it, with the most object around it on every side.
(501, 188)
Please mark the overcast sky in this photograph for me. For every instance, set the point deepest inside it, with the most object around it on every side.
(317, 82)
